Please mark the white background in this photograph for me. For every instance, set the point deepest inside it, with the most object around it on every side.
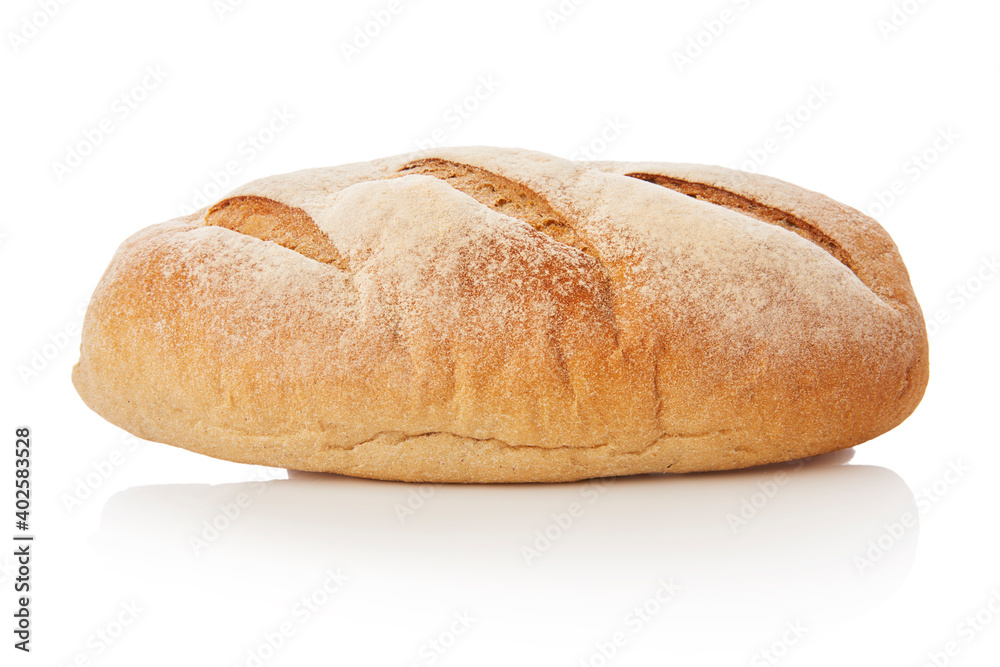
(116, 577)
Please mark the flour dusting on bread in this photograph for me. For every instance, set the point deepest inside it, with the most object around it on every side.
(487, 314)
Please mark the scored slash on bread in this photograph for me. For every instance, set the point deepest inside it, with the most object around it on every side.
(269, 220)
(501, 315)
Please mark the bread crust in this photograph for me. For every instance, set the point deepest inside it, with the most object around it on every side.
(501, 315)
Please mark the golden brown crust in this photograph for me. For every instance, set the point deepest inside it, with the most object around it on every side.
(502, 195)
(495, 315)
(268, 220)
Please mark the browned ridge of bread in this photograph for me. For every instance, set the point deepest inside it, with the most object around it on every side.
(501, 315)
(752, 208)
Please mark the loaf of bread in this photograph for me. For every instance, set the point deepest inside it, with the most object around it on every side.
(502, 315)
